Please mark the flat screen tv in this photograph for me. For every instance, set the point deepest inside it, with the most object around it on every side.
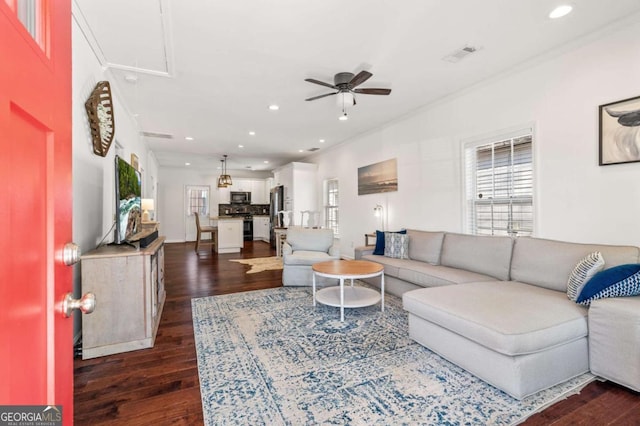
(128, 201)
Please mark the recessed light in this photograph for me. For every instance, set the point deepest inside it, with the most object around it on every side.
(188, 138)
(301, 150)
(266, 161)
(274, 107)
(130, 78)
(560, 11)
(321, 140)
(187, 164)
(252, 133)
(240, 146)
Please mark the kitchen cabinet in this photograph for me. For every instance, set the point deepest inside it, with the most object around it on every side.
(261, 228)
(299, 181)
(230, 237)
(129, 288)
(259, 194)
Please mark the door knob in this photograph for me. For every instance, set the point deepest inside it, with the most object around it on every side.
(86, 304)
(71, 254)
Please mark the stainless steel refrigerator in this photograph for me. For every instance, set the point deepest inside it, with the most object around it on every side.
(277, 204)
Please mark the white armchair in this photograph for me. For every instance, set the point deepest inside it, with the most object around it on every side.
(303, 248)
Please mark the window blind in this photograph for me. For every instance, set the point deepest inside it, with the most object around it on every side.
(331, 211)
(499, 180)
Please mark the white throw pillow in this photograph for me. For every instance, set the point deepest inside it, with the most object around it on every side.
(584, 270)
(396, 245)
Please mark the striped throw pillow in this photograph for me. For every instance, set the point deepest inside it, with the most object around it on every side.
(584, 270)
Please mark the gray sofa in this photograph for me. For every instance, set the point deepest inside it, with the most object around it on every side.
(497, 306)
(303, 248)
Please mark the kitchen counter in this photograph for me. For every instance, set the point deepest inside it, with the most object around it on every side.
(230, 238)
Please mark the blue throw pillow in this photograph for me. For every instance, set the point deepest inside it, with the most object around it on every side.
(379, 250)
(622, 280)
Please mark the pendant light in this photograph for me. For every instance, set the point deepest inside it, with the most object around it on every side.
(224, 180)
(221, 183)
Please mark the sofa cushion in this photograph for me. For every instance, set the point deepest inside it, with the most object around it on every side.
(425, 274)
(396, 245)
(425, 246)
(508, 317)
(307, 258)
(482, 254)
(584, 270)
(619, 281)
(548, 263)
(391, 265)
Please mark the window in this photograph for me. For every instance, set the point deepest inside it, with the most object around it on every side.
(499, 185)
(198, 200)
(31, 13)
(331, 212)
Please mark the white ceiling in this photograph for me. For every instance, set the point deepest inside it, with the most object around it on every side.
(210, 69)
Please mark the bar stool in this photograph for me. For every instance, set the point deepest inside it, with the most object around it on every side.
(213, 230)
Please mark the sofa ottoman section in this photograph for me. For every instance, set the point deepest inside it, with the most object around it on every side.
(520, 338)
(614, 340)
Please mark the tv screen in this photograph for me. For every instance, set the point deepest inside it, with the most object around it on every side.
(128, 201)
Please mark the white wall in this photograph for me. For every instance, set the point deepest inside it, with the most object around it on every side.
(576, 200)
(93, 176)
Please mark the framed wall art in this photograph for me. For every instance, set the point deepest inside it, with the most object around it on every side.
(378, 177)
(620, 132)
(134, 162)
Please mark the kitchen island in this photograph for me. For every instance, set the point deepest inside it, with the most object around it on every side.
(230, 238)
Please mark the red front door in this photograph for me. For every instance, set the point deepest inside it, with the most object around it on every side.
(36, 347)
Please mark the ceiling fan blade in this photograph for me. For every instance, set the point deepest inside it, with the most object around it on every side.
(321, 96)
(360, 78)
(321, 83)
(373, 91)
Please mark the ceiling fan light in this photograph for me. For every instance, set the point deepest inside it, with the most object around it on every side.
(344, 99)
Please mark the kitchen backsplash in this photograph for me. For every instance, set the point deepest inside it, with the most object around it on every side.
(229, 209)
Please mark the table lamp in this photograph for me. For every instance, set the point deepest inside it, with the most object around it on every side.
(147, 204)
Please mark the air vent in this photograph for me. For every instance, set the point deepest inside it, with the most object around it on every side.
(157, 135)
(459, 54)
(313, 149)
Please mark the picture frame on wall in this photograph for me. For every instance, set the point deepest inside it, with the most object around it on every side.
(620, 132)
(134, 162)
(378, 177)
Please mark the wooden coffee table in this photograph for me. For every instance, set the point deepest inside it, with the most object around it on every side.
(349, 297)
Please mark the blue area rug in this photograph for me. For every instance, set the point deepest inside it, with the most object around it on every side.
(269, 357)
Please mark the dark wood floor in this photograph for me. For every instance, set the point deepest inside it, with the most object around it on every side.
(160, 385)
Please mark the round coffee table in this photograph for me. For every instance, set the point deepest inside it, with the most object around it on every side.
(349, 297)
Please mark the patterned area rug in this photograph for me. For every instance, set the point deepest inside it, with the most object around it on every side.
(269, 357)
(260, 264)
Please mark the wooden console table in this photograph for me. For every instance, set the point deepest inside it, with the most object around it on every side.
(129, 288)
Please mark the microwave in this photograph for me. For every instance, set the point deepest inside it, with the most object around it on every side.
(238, 197)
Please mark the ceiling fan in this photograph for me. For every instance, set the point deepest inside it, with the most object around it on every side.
(346, 82)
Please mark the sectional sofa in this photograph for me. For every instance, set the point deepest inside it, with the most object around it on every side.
(497, 306)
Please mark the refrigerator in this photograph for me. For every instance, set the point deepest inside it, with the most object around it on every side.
(276, 198)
